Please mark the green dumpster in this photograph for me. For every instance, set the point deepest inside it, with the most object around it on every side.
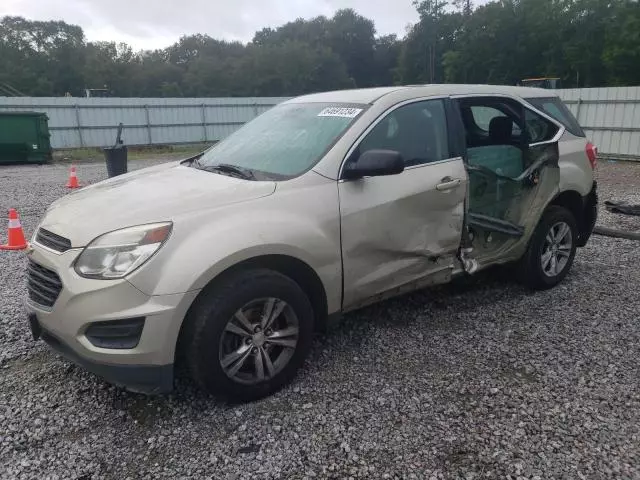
(24, 137)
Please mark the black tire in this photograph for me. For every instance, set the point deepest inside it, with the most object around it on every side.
(530, 267)
(208, 319)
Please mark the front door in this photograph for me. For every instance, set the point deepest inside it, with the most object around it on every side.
(400, 229)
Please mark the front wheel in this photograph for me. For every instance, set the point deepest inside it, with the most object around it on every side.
(551, 250)
(249, 334)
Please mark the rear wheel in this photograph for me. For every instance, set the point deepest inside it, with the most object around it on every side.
(249, 334)
(551, 250)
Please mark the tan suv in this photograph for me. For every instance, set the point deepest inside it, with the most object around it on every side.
(323, 204)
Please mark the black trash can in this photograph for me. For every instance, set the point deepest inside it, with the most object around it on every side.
(116, 158)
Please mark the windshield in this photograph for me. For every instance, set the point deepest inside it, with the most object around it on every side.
(283, 142)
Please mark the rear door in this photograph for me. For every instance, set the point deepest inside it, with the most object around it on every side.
(512, 162)
(406, 228)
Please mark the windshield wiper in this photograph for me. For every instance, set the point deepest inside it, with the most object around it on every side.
(244, 173)
(195, 161)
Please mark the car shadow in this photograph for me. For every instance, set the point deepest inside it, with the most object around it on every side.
(435, 309)
(461, 295)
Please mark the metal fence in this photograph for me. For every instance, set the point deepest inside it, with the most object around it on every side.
(610, 117)
(93, 122)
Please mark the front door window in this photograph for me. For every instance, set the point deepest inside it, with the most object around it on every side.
(417, 131)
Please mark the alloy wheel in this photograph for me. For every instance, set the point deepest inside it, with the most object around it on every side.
(556, 250)
(259, 340)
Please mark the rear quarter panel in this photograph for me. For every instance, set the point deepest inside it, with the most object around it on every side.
(575, 170)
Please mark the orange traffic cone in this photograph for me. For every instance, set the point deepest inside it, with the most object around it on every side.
(15, 237)
(73, 179)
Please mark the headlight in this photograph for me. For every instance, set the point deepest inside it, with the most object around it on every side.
(116, 254)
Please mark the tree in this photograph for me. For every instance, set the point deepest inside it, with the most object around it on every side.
(584, 42)
(292, 68)
(621, 52)
(151, 74)
(111, 65)
(347, 34)
(386, 54)
(586, 25)
(352, 38)
(44, 57)
(313, 32)
(579, 41)
(428, 41)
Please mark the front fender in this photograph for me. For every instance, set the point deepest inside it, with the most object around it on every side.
(199, 251)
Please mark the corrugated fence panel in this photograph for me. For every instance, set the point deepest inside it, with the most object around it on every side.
(610, 118)
(93, 122)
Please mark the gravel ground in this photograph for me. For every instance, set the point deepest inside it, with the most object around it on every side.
(481, 381)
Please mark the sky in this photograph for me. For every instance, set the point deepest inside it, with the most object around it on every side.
(149, 24)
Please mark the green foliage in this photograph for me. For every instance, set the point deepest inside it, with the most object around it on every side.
(587, 43)
(584, 42)
(621, 53)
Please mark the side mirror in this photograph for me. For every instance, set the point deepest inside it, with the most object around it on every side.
(374, 163)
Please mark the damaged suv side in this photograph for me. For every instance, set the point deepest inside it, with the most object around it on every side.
(512, 162)
(323, 204)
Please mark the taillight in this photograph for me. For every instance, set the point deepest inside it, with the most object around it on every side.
(592, 154)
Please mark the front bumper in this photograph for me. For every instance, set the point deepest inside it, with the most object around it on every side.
(148, 367)
(149, 379)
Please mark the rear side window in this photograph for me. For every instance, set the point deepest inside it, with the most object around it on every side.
(539, 129)
(554, 107)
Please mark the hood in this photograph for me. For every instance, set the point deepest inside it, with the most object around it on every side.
(153, 194)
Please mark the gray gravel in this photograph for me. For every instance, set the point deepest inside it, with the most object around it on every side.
(481, 381)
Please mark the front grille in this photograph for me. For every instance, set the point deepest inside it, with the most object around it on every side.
(44, 285)
(53, 241)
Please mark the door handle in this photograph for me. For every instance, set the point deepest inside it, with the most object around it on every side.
(448, 183)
